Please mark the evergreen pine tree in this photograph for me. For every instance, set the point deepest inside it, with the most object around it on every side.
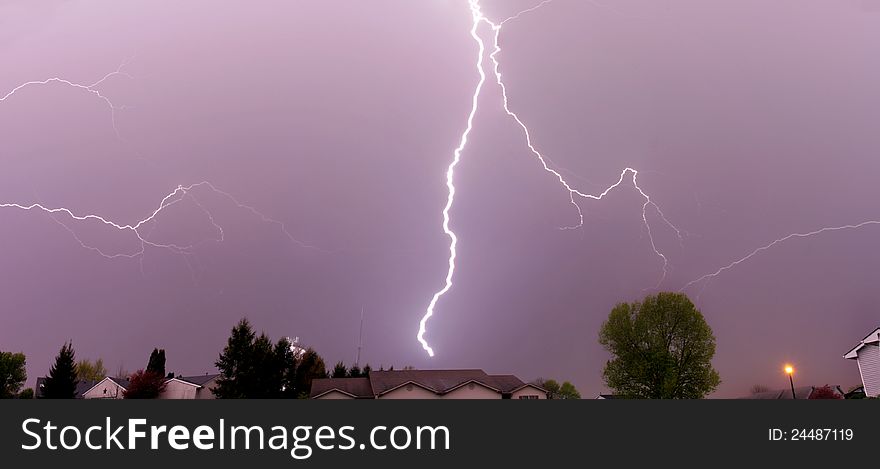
(61, 382)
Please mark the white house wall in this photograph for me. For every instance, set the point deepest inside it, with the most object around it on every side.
(178, 390)
(869, 365)
(472, 391)
(410, 391)
(105, 389)
(529, 391)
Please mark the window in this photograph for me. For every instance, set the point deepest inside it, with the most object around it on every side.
(529, 396)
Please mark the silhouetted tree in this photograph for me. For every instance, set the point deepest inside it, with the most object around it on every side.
(156, 364)
(366, 371)
(339, 371)
(354, 371)
(144, 384)
(12, 374)
(759, 388)
(251, 367)
(26, 394)
(61, 382)
(310, 366)
(662, 349)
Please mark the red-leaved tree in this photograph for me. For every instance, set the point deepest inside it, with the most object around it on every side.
(825, 392)
(144, 385)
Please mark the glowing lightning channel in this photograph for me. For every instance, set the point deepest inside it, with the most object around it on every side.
(140, 228)
(173, 198)
(91, 88)
(450, 172)
(774, 243)
(574, 194)
(177, 195)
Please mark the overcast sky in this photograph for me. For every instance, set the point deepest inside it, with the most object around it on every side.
(748, 120)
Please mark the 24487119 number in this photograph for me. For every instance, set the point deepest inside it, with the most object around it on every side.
(811, 434)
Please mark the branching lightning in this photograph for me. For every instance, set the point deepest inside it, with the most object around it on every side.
(141, 229)
(574, 195)
(774, 243)
(91, 88)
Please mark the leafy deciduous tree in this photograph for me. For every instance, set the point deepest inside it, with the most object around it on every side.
(12, 374)
(556, 391)
(825, 392)
(144, 384)
(86, 370)
(662, 348)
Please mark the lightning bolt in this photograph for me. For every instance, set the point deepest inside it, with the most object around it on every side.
(574, 195)
(89, 88)
(774, 243)
(141, 229)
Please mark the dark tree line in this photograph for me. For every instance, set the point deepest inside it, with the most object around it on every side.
(340, 371)
(252, 367)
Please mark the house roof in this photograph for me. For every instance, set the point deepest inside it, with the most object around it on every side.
(439, 381)
(436, 381)
(81, 387)
(199, 380)
(872, 338)
(353, 387)
(121, 382)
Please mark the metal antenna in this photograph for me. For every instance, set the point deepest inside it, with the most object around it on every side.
(357, 362)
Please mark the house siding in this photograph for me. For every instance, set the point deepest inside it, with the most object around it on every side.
(410, 392)
(106, 389)
(869, 364)
(178, 390)
(472, 391)
(335, 395)
(529, 391)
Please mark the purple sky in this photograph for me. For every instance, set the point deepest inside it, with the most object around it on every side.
(748, 120)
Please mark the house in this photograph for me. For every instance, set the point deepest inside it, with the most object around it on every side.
(107, 388)
(867, 355)
(190, 387)
(801, 392)
(426, 384)
(182, 387)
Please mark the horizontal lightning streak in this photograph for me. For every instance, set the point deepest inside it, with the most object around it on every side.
(774, 243)
(176, 196)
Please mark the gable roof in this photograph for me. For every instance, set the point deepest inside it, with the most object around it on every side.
(383, 382)
(120, 382)
(873, 337)
(438, 381)
(358, 388)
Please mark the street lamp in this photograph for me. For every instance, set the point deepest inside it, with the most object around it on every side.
(789, 370)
